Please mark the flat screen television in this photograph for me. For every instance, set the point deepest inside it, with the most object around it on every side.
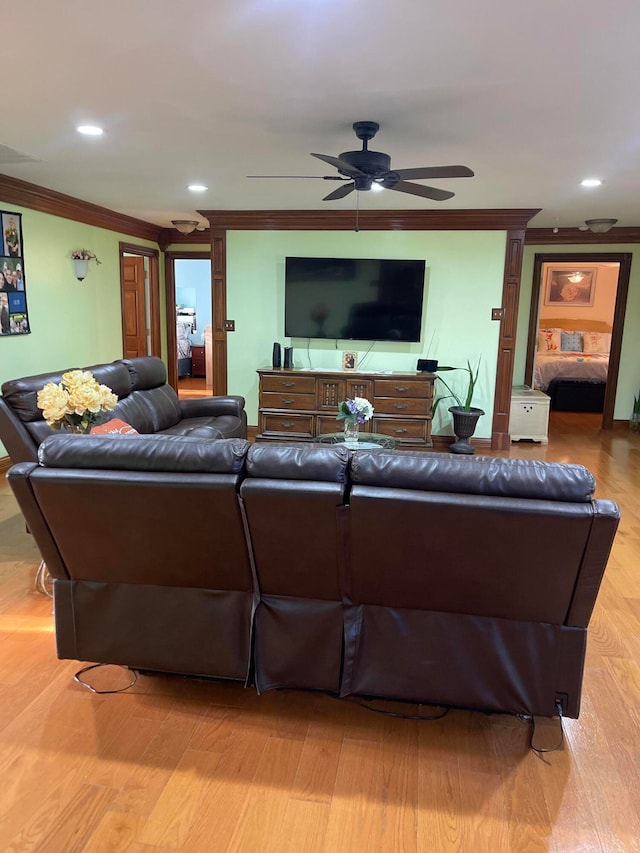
(356, 299)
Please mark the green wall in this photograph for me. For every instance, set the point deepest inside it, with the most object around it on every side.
(73, 324)
(629, 374)
(462, 284)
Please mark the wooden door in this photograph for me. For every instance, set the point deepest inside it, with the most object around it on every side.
(134, 325)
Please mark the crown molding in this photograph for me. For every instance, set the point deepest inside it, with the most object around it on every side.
(15, 191)
(373, 220)
(546, 237)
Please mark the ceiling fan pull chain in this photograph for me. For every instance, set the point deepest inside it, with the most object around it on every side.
(357, 211)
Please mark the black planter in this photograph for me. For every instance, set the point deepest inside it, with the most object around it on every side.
(464, 425)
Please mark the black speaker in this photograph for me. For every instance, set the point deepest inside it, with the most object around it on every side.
(288, 357)
(276, 359)
(427, 365)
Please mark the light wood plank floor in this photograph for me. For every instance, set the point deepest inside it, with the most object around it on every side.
(178, 764)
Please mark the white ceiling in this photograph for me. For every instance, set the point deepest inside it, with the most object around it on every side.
(533, 97)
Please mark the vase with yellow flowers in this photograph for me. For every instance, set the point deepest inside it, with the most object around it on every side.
(76, 403)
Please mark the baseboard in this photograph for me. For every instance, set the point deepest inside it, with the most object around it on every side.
(5, 464)
(252, 431)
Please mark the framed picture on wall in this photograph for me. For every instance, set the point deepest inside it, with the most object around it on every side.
(570, 287)
(14, 317)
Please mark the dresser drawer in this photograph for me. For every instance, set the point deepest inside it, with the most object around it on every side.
(286, 424)
(406, 406)
(290, 384)
(413, 432)
(287, 400)
(402, 388)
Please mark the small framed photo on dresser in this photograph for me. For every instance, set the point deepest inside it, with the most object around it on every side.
(349, 360)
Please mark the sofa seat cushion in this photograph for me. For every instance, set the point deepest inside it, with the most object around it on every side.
(224, 426)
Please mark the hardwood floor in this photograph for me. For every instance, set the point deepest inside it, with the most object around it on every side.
(190, 388)
(179, 764)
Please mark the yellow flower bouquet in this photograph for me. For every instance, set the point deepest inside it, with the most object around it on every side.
(76, 402)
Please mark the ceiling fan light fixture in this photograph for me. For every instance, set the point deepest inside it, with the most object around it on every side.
(600, 226)
(185, 226)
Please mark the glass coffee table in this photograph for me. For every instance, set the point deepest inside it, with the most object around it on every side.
(366, 440)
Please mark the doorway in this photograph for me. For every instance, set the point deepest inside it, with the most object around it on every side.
(552, 273)
(139, 300)
(189, 323)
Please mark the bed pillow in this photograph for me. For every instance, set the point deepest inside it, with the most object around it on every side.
(571, 341)
(596, 342)
(548, 340)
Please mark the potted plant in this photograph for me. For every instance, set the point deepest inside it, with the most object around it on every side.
(465, 416)
(634, 421)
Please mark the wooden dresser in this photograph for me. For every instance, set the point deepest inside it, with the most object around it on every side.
(300, 404)
(197, 360)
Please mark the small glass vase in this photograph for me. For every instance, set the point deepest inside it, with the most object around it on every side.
(77, 429)
(351, 433)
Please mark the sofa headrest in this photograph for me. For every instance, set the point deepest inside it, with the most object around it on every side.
(166, 453)
(22, 394)
(303, 461)
(145, 371)
(477, 475)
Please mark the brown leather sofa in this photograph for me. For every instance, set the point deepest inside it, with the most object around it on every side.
(464, 582)
(145, 401)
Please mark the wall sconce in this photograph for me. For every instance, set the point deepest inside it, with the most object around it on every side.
(81, 258)
(185, 226)
(600, 226)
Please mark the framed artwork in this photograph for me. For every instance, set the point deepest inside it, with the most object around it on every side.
(14, 316)
(570, 287)
(349, 360)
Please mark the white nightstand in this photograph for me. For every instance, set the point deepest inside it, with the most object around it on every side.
(529, 416)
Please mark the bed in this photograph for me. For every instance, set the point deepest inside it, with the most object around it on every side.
(572, 363)
(185, 325)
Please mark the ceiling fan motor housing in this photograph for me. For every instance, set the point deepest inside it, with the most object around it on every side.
(372, 163)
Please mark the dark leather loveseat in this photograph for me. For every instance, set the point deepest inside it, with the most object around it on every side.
(464, 582)
(145, 401)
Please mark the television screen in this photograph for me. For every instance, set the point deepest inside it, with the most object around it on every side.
(354, 298)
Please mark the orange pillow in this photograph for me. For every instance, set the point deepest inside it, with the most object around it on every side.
(115, 425)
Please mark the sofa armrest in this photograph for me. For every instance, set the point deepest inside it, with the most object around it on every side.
(212, 407)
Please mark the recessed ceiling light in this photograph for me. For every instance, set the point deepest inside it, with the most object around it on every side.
(591, 182)
(197, 188)
(90, 130)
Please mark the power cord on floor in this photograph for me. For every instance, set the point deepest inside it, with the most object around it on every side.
(80, 672)
(542, 750)
(419, 717)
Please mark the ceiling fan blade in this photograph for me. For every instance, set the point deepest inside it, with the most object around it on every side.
(318, 177)
(339, 164)
(434, 172)
(424, 192)
(341, 192)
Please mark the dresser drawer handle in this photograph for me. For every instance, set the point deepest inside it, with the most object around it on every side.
(402, 388)
(400, 406)
(286, 424)
(400, 431)
(286, 402)
(287, 384)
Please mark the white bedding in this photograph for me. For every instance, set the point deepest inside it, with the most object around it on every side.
(587, 367)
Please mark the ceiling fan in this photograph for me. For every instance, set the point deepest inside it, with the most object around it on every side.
(363, 169)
